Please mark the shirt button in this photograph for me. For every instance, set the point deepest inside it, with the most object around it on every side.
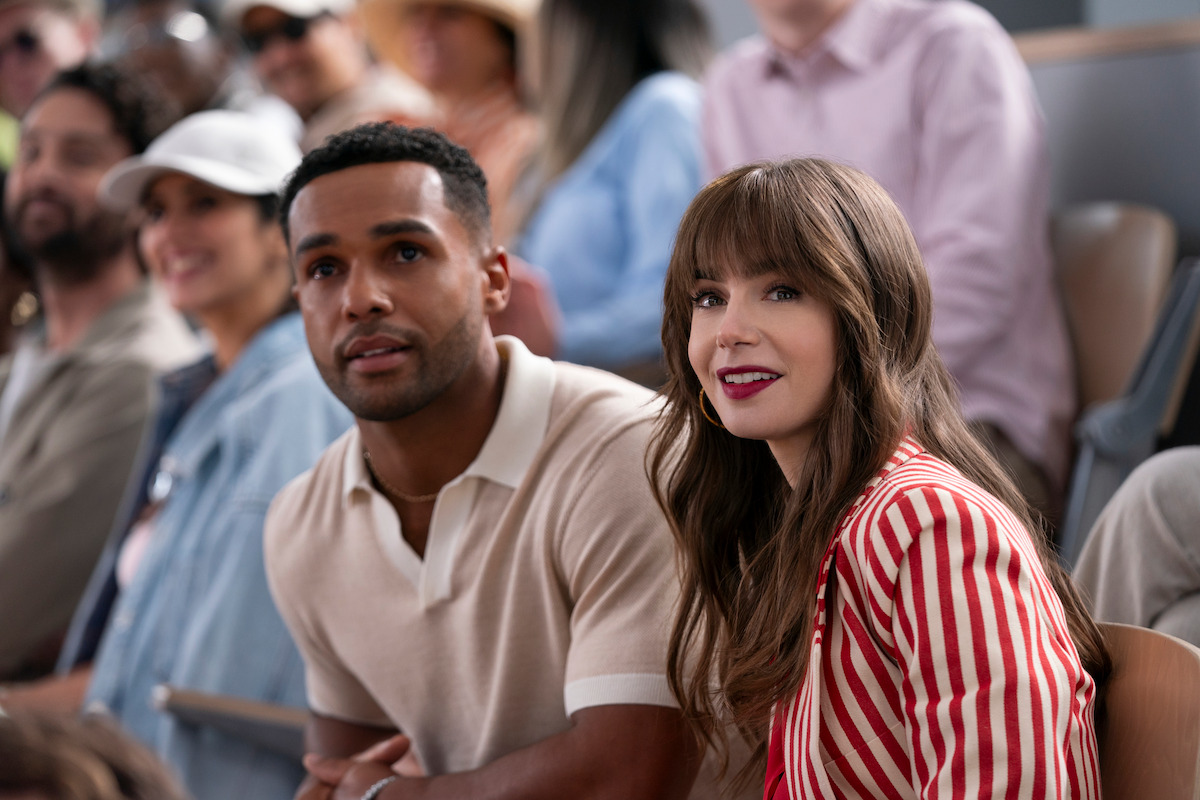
(97, 707)
(161, 486)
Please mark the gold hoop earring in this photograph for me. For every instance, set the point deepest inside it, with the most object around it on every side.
(704, 411)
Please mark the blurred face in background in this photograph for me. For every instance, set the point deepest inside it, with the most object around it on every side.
(306, 62)
(212, 250)
(174, 47)
(455, 50)
(67, 144)
(35, 43)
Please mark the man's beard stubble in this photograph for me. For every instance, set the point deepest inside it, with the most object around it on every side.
(77, 252)
(441, 364)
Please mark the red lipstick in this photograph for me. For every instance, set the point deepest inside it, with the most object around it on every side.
(739, 383)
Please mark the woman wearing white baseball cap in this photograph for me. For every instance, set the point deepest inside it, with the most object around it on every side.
(209, 234)
(180, 594)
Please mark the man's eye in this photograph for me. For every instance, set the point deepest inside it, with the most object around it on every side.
(407, 252)
(322, 269)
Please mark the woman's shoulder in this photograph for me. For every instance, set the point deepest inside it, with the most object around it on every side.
(924, 512)
(661, 93)
(288, 397)
(283, 390)
(658, 120)
(916, 493)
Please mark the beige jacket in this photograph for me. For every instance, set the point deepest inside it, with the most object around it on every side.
(64, 463)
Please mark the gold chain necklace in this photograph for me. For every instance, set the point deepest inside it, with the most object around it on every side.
(392, 490)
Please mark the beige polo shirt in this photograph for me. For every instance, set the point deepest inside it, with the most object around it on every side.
(548, 583)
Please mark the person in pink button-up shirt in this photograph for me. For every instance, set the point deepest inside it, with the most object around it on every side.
(933, 101)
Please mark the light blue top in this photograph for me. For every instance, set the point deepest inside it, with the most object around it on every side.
(604, 231)
(198, 613)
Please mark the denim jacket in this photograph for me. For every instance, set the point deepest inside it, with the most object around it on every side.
(198, 613)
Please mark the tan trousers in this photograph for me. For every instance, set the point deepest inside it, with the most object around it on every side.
(1141, 563)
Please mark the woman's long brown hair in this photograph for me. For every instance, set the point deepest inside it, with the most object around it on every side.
(750, 546)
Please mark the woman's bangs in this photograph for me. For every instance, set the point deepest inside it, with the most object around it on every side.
(747, 231)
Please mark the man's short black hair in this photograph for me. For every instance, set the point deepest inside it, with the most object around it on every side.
(140, 110)
(464, 185)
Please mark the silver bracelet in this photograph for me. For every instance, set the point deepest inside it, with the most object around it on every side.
(378, 787)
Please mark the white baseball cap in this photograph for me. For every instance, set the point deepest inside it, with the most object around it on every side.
(231, 150)
(233, 11)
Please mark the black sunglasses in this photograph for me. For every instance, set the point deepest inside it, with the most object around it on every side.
(23, 42)
(292, 29)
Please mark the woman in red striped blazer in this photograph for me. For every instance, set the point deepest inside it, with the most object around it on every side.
(878, 608)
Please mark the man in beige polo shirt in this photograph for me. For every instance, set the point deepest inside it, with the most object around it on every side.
(478, 563)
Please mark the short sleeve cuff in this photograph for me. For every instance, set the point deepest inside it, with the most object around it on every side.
(643, 689)
(372, 717)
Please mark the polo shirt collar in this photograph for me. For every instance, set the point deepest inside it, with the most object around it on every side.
(354, 468)
(516, 435)
(524, 415)
(854, 40)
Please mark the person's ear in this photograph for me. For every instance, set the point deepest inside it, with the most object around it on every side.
(496, 282)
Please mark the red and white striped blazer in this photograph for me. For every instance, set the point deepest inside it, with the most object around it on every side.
(941, 665)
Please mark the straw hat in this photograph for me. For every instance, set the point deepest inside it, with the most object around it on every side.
(383, 21)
